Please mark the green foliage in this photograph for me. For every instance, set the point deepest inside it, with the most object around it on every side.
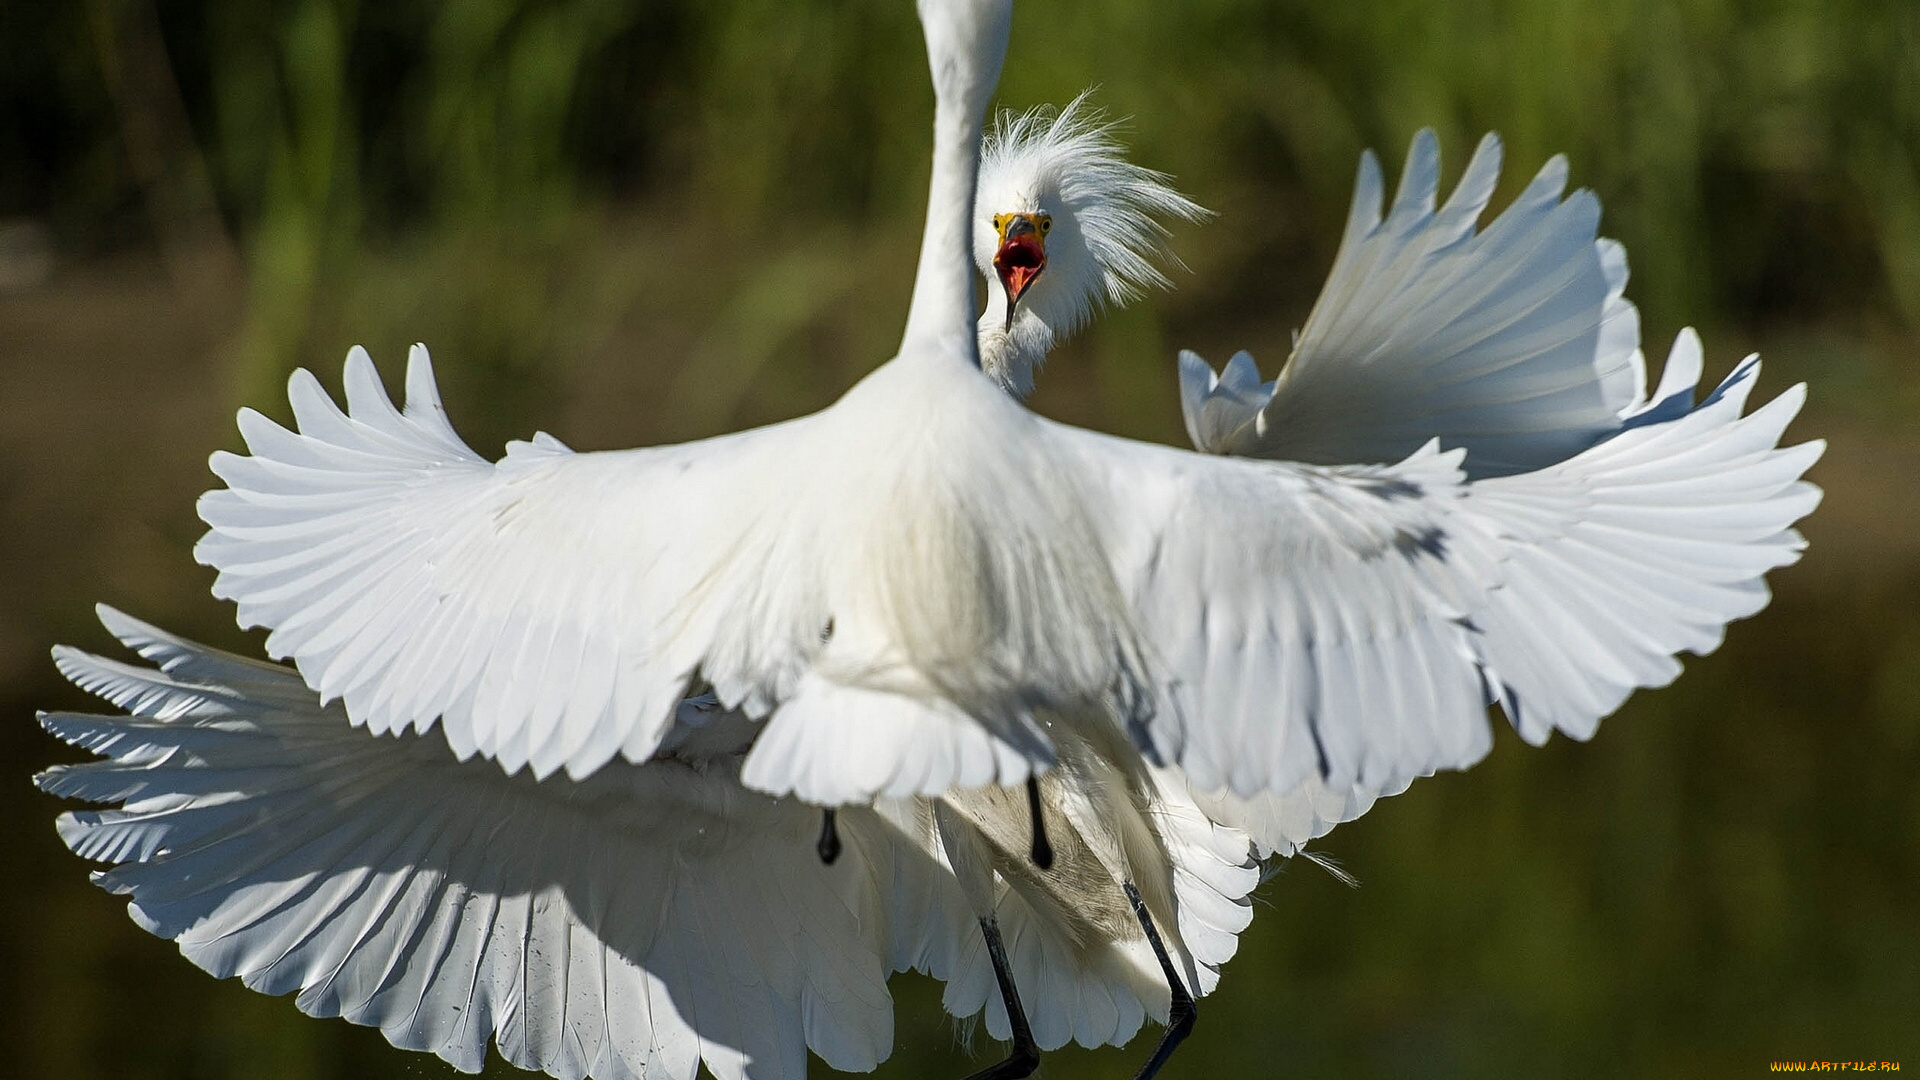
(1761, 160)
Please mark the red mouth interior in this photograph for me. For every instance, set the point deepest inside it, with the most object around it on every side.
(1018, 262)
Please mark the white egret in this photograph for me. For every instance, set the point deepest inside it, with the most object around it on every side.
(1064, 225)
(925, 588)
(917, 582)
(223, 852)
(1045, 166)
(1563, 371)
(1536, 354)
(428, 896)
(913, 583)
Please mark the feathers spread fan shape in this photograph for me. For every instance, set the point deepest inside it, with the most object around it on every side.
(1374, 610)
(643, 922)
(1513, 342)
(516, 604)
(1346, 621)
(640, 923)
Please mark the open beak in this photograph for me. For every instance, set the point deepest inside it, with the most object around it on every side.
(1021, 257)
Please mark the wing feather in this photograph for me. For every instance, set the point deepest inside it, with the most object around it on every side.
(641, 922)
(548, 610)
(1514, 342)
(1352, 622)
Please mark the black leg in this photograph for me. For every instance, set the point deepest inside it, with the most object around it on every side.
(1181, 1015)
(829, 844)
(1042, 851)
(1025, 1056)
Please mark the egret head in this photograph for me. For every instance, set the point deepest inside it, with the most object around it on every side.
(1063, 226)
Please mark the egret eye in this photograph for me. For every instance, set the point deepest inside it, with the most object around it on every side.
(1046, 225)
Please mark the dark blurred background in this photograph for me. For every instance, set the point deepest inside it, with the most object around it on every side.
(627, 221)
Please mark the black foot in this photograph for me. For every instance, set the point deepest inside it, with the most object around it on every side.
(1025, 1055)
(1183, 1012)
(829, 844)
(1042, 850)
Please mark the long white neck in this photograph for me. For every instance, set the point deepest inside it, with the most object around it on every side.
(966, 44)
(940, 318)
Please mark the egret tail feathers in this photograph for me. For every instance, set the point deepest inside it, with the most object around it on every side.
(832, 744)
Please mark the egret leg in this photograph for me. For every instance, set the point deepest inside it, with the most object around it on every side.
(1025, 1055)
(1181, 1015)
(829, 843)
(1042, 851)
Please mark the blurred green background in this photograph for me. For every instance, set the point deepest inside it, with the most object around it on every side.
(626, 221)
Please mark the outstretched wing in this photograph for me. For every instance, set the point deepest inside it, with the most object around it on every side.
(639, 923)
(1513, 342)
(549, 609)
(1351, 623)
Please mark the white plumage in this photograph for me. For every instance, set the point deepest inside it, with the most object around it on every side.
(1108, 245)
(1513, 342)
(1256, 622)
(903, 601)
(1378, 608)
(638, 923)
(1348, 621)
(1077, 953)
(1091, 980)
(642, 922)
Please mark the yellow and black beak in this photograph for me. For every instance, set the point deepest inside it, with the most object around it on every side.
(1022, 253)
